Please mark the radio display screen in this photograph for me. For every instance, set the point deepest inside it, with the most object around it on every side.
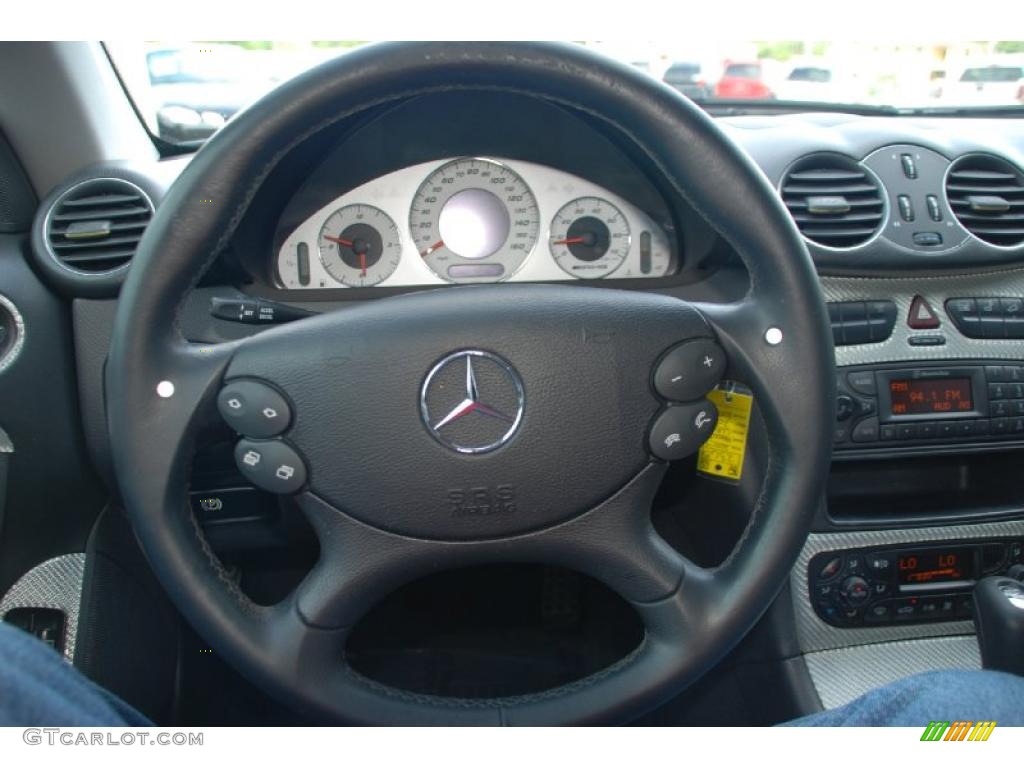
(938, 396)
(936, 565)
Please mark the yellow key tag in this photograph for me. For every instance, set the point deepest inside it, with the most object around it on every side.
(722, 455)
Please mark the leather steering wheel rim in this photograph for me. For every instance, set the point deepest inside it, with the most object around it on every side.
(692, 616)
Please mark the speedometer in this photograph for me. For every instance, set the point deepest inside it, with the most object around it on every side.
(474, 220)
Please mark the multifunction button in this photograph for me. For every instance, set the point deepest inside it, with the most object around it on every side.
(254, 409)
(690, 370)
(271, 465)
(683, 376)
(680, 430)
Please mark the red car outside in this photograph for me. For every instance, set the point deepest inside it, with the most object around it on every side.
(743, 80)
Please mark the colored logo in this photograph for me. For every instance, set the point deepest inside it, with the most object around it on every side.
(958, 730)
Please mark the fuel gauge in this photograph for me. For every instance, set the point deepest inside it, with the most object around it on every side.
(590, 238)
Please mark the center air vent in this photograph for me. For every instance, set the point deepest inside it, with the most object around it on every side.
(987, 195)
(834, 200)
(96, 226)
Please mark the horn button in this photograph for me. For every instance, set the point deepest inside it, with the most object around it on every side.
(472, 412)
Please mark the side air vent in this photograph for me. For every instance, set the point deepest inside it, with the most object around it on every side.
(96, 226)
(834, 200)
(987, 195)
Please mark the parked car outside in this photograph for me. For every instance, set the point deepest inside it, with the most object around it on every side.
(688, 78)
(993, 83)
(744, 80)
(198, 88)
(818, 80)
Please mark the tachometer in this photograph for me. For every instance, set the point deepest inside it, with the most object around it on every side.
(589, 237)
(359, 245)
(474, 220)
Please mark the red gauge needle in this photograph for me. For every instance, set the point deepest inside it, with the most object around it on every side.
(434, 247)
(350, 244)
(569, 241)
(339, 241)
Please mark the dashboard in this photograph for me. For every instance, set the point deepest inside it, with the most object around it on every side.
(916, 226)
(472, 220)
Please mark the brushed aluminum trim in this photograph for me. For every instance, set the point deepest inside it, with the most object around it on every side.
(842, 675)
(55, 583)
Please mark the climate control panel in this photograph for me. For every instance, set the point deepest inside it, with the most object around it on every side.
(906, 584)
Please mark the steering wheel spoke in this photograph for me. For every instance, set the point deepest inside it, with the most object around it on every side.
(614, 543)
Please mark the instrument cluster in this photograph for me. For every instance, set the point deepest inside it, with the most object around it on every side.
(473, 220)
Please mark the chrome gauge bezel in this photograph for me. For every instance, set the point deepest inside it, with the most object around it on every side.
(393, 193)
(600, 268)
(386, 264)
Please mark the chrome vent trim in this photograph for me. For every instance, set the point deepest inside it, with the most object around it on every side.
(986, 194)
(94, 228)
(835, 201)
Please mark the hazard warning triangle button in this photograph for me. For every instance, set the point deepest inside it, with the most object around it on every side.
(921, 315)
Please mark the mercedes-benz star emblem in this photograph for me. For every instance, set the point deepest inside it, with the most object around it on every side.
(472, 401)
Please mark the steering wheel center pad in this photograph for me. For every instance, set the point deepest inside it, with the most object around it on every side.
(584, 357)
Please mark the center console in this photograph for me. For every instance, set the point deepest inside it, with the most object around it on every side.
(924, 498)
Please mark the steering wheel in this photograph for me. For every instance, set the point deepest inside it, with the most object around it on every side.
(565, 461)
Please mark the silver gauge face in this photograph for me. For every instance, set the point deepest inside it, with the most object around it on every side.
(474, 220)
(359, 245)
(590, 238)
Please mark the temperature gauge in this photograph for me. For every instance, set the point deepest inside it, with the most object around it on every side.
(359, 245)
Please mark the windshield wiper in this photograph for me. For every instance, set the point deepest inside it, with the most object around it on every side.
(728, 107)
(1001, 110)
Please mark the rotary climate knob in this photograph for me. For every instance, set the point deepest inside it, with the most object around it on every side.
(855, 590)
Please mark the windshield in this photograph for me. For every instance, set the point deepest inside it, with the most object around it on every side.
(185, 91)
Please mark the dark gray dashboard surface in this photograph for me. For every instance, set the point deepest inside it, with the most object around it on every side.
(774, 142)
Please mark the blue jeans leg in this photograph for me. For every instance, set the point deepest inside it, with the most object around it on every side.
(951, 695)
(39, 688)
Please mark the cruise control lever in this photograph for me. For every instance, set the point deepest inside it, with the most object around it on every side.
(255, 311)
